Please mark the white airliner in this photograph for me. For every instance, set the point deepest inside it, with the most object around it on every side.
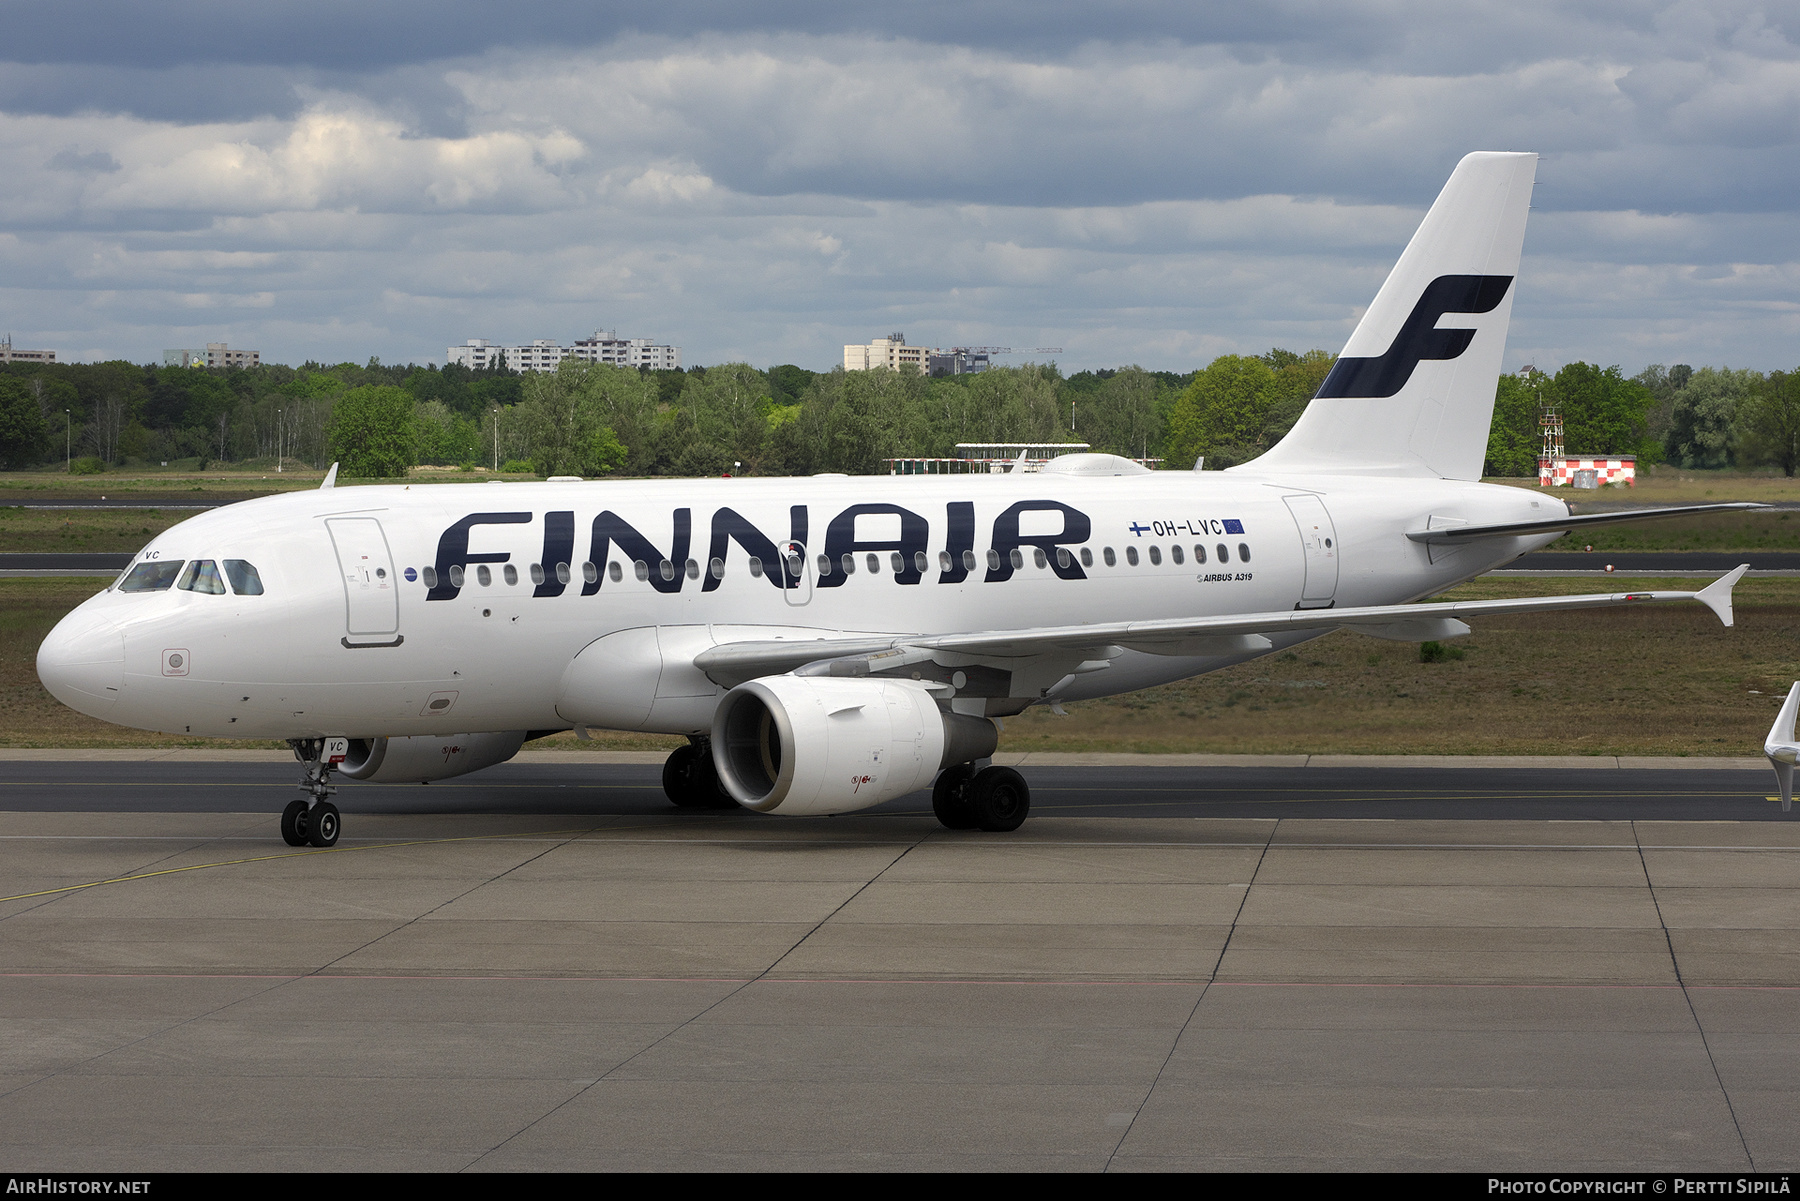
(831, 643)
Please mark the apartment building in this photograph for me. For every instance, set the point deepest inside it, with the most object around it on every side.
(891, 352)
(216, 354)
(543, 354)
(9, 355)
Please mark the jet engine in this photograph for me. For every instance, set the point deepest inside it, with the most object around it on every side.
(817, 744)
(421, 757)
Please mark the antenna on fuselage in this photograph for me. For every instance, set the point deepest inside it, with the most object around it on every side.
(330, 480)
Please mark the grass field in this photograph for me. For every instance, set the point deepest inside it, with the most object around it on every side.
(1663, 680)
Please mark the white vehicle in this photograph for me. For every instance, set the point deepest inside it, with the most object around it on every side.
(830, 643)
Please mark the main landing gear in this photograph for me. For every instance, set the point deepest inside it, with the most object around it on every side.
(994, 798)
(691, 781)
(314, 821)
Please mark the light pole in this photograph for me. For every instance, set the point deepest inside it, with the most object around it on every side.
(68, 442)
(277, 441)
(496, 441)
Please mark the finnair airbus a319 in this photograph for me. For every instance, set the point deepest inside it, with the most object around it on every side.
(827, 644)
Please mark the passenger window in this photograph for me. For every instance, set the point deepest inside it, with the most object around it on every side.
(1087, 557)
(202, 575)
(1199, 553)
(1112, 560)
(641, 569)
(898, 562)
(1131, 555)
(1017, 557)
(874, 563)
(244, 578)
(824, 566)
(717, 567)
(666, 569)
(562, 573)
(1175, 554)
(755, 568)
(429, 575)
(920, 562)
(590, 572)
(615, 573)
(849, 563)
(1224, 555)
(993, 560)
(151, 577)
(693, 570)
(1062, 557)
(1244, 551)
(537, 573)
(456, 575)
(483, 576)
(512, 574)
(944, 560)
(968, 560)
(1038, 557)
(1156, 556)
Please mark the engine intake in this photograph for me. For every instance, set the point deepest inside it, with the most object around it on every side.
(428, 757)
(814, 744)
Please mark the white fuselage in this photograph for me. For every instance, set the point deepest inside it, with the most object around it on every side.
(348, 638)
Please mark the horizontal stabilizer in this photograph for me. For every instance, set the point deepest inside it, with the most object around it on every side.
(1462, 533)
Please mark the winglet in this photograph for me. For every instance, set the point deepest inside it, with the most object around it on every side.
(1717, 595)
(1019, 463)
(1781, 748)
(331, 482)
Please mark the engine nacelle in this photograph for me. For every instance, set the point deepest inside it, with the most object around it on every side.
(421, 757)
(817, 744)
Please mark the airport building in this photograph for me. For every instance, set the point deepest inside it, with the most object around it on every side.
(9, 355)
(216, 354)
(982, 458)
(544, 354)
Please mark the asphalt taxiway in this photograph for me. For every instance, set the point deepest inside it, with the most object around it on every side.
(1217, 964)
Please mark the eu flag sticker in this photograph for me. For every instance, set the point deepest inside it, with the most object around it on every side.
(1233, 526)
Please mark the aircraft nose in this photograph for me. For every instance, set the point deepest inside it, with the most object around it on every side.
(82, 662)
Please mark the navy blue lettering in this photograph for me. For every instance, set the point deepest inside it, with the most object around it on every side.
(453, 550)
(559, 546)
(728, 525)
(1076, 530)
(959, 517)
(840, 538)
(611, 529)
(1419, 337)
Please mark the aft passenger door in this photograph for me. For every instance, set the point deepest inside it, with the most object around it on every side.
(371, 597)
(1319, 540)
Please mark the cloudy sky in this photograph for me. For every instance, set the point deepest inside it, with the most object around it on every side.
(1144, 182)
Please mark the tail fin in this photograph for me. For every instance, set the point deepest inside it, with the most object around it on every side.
(1413, 392)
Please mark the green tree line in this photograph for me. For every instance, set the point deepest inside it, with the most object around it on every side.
(593, 419)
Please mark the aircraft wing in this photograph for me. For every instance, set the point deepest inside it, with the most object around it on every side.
(732, 663)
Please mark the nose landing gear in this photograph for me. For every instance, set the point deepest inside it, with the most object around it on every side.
(314, 821)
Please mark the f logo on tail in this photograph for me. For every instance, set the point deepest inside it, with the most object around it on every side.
(1419, 338)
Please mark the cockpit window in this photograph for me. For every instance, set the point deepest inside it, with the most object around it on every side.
(243, 576)
(202, 575)
(151, 577)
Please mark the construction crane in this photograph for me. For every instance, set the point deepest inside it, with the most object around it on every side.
(1005, 350)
